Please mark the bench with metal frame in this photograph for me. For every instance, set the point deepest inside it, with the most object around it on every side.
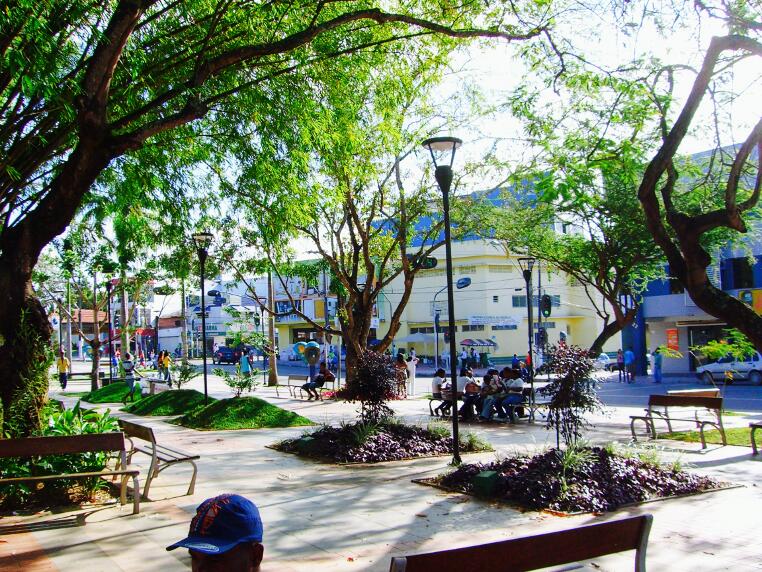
(74, 444)
(711, 405)
(161, 457)
(293, 382)
(539, 551)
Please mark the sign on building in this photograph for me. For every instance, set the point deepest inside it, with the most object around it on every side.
(492, 321)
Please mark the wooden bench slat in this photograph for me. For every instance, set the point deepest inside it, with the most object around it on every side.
(34, 446)
(540, 551)
(68, 476)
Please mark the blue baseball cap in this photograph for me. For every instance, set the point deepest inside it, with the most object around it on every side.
(221, 523)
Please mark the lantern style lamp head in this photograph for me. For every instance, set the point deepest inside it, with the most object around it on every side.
(202, 239)
(526, 264)
(441, 147)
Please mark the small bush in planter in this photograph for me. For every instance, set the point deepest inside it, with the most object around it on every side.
(572, 393)
(237, 382)
(374, 383)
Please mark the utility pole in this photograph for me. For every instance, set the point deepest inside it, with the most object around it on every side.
(272, 379)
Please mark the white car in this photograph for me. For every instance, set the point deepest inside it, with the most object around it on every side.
(602, 361)
(750, 368)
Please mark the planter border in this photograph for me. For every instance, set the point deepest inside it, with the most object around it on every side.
(430, 482)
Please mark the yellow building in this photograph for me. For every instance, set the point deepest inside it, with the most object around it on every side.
(493, 309)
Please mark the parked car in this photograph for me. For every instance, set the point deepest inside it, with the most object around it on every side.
(749, 369)
(603, 361)
(226, 355)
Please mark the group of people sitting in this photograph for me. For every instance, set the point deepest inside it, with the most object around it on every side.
(498, 396)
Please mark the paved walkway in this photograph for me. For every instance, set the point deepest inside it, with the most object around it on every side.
(324, 517)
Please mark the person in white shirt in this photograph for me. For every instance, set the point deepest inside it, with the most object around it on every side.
(440, 390)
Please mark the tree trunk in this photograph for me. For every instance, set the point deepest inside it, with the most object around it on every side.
(124, 337)
(184, 333)
(609, 331)
(272, 376)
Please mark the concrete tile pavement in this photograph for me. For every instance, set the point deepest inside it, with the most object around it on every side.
(325, 517)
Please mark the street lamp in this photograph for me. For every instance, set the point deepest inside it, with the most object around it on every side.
(526, 264)
(202, 241)
(109, 286)
(441, 147)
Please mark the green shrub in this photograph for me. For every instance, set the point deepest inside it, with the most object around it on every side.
(76, 421)
(439, 429)
(184, 373)
(238, 383)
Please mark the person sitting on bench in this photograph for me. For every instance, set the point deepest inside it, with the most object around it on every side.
(436, 391)
(515, 390)
(324, 375)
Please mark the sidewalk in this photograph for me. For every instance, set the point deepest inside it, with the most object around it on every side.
(325, 517)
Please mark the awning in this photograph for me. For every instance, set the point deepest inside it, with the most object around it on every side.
(145, 331)
(477, 343)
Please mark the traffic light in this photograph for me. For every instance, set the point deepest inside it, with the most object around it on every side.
(116, 321)
(542, 336)
(545, 305)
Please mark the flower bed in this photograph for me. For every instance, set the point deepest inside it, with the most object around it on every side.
(581, 480)
(373, 443)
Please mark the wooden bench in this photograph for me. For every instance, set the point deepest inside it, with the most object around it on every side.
(711, 405)
(540, 551)
(161, 456)
(754, 426)
(74, 444)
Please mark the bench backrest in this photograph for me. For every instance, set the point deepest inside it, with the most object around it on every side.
(713, 392)
(34, 446)
(298, 378)
(685, 401)
(540, 551)
(139, 431)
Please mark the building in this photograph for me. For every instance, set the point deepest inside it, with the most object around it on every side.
(490, 313)
(672, 319)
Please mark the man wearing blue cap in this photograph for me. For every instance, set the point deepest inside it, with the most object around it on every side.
(225, 535)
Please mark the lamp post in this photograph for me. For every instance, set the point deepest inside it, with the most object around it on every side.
(109, 285)
(526, 264)
(202, 241)
(442, 146)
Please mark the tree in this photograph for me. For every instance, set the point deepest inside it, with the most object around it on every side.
(367, 215)
(87, 90)
(608, 250)
(591, 118)
(733, 180)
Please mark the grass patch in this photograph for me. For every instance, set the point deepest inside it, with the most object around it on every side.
(175, 402)
(739, 436)
(112, 393)
(75, 393)
(240, 413)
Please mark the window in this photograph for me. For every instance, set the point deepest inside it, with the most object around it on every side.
(743, 276)
(466, 269)
(511, 327)
(555, 300)
(495, 299)
(499, 269)
(519, 301)
(432, 272)
(424, 330)
(474, 328)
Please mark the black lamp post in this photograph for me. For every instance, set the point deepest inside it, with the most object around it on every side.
(109, 286)
(442, 146)
(526, 264)
(203, 240)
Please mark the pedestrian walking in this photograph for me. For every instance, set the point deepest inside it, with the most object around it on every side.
(620, 365)
(64, 368)
(657, 365)
(629, 366)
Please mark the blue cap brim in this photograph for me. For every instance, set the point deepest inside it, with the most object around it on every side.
(206, 545)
